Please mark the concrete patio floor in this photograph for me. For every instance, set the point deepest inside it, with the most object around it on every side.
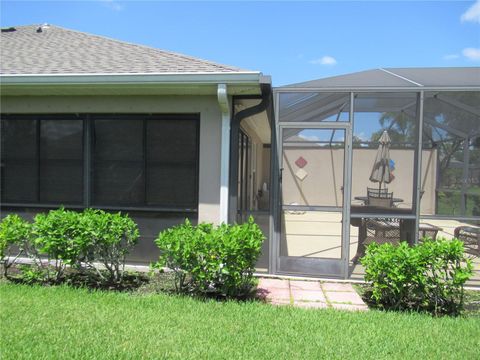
(310, 294)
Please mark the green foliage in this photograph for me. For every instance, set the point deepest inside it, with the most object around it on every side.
(31, 274)
(112, 236)
(62, 239)
(427, 277)
(15, 235)
(209, 259)
(61, 236)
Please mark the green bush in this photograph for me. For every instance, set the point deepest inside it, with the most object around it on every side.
(15, 237)
(62, 239)
(427, 277)
(111, 236)
(209, 259)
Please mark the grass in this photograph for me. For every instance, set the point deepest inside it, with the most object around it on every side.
(63, 322)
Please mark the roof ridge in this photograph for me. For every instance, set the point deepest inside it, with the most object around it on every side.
(226, 67)
(400, 76)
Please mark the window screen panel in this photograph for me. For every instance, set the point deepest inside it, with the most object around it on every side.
(61, 161)
(19, 171)
(172, 141)
(118, 162)
(172, 155)
(172, 186)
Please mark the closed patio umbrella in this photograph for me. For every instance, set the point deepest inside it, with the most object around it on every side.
(381, 167)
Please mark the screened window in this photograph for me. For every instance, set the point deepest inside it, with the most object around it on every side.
(42, 160)
(19, 164)
(61, 161)
(146, 162)
(171, 162)
(118, 155)
(109, 161)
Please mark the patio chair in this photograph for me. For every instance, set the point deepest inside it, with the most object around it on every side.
(388, 230)
(384, 200)
(376, 192)
(382, 230)
(471, 238)
(426, 230)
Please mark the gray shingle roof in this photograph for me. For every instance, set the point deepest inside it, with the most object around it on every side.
(56, 50)
(400, 77)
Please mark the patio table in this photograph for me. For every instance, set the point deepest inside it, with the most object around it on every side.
(387, 230)
(365, 199)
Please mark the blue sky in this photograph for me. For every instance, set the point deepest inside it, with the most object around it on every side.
(292, 41)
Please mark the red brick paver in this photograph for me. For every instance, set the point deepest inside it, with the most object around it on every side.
(310, 294)
(344, 297)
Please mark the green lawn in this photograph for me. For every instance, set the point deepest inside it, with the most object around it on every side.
(62, 322)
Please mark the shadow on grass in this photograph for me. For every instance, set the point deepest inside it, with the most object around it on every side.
(136, 283)
(471, 307)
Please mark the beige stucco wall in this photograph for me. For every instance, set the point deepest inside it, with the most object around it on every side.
(324, 179)
(402, 185)
(210, 128)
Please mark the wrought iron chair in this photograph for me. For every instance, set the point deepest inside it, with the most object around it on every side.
(380, 199)
(471, 238)
(376, 191)
(383, 230)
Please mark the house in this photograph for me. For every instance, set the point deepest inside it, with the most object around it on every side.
(93, 122)
(89, 121)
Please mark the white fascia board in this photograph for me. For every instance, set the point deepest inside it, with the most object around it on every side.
(252, 77)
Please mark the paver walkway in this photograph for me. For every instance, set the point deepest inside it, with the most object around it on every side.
(310, 294)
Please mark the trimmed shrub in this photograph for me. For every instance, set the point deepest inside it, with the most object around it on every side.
(427, 277)
(78, 240)
(208, 259)
(112, 236)
(62, 238)
(15, 237)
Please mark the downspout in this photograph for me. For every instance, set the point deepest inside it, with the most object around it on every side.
(222, 96)
(266, 89)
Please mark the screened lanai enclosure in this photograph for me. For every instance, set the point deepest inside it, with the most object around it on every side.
(325, 167)
(341, 187)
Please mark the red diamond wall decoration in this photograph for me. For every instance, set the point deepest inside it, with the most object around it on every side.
(301, 162)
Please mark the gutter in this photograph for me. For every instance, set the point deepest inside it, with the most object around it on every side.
(222, 96)
(246, 77)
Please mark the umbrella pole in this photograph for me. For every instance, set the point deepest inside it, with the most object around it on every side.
(380, 182)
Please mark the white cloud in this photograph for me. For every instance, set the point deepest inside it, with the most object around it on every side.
(472, 14)
(112, 4)
(471, 53)
(451, 57)
(362, 136)
(325, 60)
